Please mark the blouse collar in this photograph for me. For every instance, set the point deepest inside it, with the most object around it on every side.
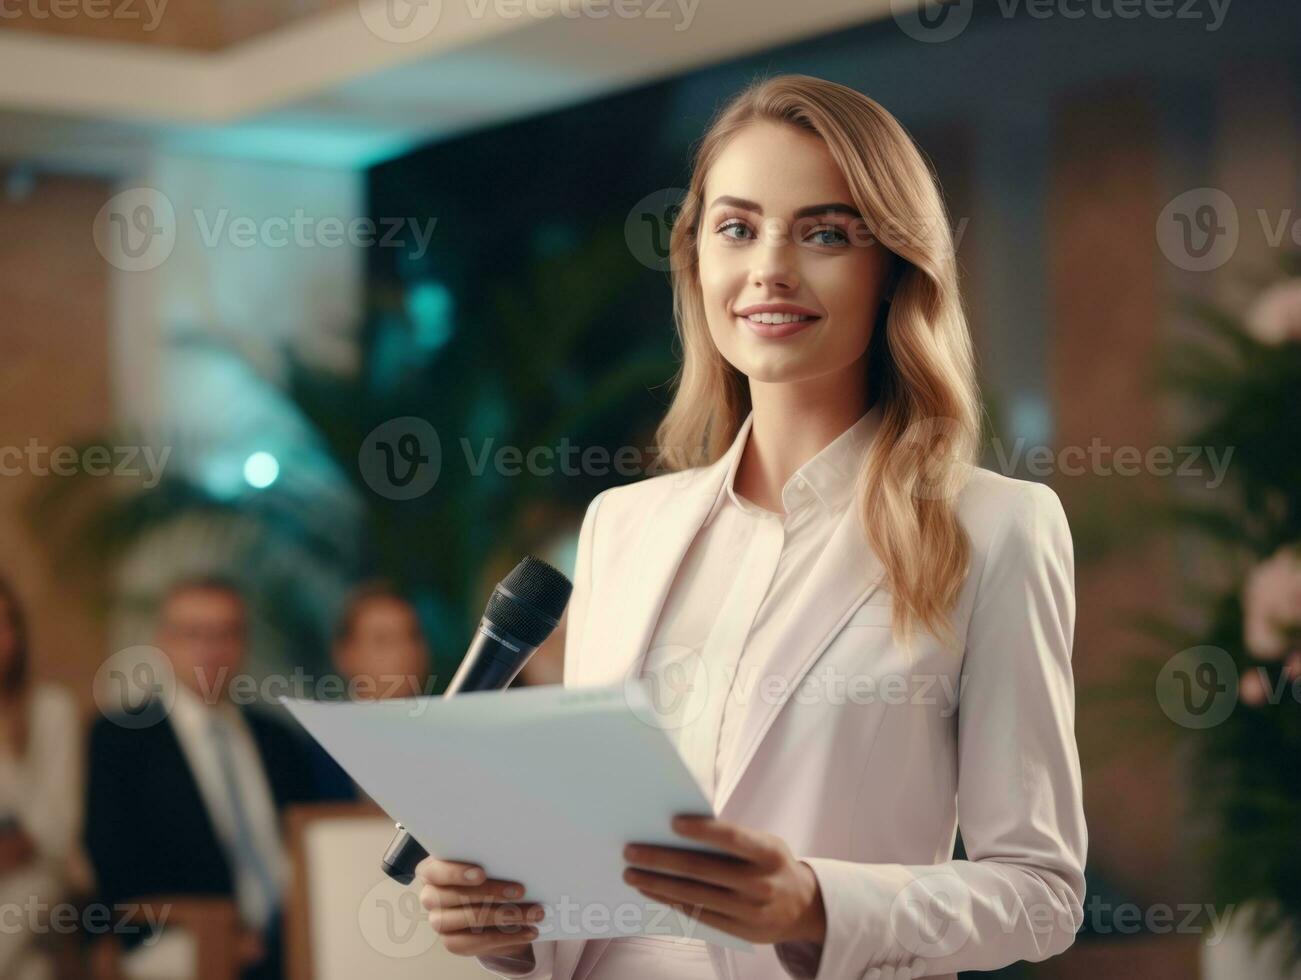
(827, 478)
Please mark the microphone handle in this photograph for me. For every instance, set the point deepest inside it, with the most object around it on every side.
(491, 664)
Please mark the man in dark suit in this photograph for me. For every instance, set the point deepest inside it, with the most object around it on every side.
(186, 791)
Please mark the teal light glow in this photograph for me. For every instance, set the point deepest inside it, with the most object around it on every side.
(429, 305)
(261, 470)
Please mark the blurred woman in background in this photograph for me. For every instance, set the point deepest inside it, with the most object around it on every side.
(40, 805)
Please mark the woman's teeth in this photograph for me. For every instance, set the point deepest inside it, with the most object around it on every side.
(777, 318)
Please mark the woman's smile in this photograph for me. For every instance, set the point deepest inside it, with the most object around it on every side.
(776, 320)
(772, 327)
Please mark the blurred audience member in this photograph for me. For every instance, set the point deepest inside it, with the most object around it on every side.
(187, 802)
(40, 798)
(380, 652)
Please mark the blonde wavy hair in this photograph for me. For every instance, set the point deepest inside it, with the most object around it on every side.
(921, 368)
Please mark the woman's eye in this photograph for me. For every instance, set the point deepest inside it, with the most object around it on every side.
(724, 229)
(840, 237)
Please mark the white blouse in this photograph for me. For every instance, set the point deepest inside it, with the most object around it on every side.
(41, 791)
(737, 581)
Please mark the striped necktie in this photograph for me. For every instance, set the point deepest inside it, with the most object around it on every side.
(246, 853)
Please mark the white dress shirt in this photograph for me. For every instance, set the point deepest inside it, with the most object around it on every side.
(736, 582)
(191, 719)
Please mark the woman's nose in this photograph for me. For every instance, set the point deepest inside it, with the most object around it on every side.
(774, 258)
(775, 275)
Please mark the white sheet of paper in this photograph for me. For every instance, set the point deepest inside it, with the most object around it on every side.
(541, 785)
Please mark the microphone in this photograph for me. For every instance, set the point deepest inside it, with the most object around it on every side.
(523, 610)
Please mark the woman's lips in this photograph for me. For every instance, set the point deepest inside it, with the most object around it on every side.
(775, 331)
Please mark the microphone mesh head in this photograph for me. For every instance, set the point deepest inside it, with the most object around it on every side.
(530, 600)
(540, 585)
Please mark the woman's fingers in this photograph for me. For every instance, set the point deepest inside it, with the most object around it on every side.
(437, 871)
(460, 882)
(492, 890)
(473, 913)
(717, 869)
(511, 919)
(691, 893)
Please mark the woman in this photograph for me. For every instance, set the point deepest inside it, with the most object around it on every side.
(40, 806)
(834, 580)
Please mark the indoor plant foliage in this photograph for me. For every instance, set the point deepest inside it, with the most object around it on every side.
(1242, 374)
(549, 353)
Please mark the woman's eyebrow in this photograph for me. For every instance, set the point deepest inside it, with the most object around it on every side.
(834, 207)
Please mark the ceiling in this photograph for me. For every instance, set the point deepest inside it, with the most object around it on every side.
(199, 26)
(349, 83)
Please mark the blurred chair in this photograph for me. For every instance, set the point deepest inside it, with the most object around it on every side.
(201, 940)
(344, 918)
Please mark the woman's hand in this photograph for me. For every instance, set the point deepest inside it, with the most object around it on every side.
(476, 915)
(760, 893)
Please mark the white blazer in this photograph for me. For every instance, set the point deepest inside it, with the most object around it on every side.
(869, 763)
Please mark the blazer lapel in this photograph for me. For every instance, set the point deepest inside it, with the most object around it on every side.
(844, 576)
(660, 544)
